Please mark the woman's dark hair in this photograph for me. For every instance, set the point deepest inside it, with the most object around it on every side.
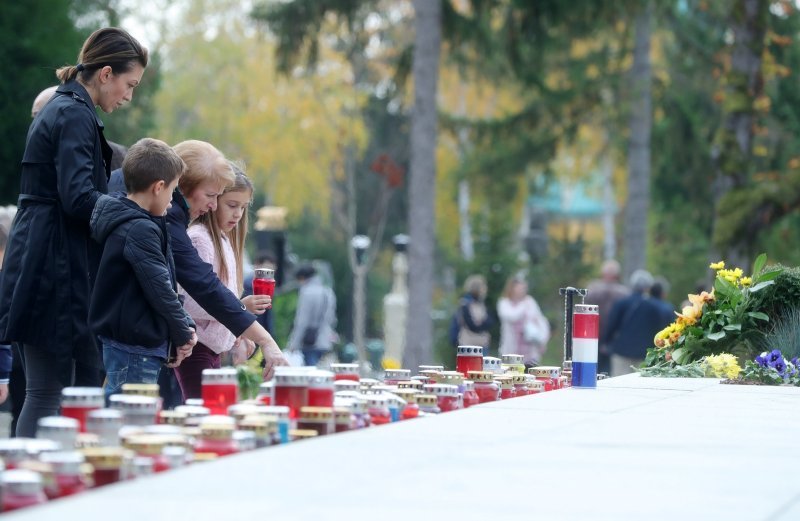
(110, 46)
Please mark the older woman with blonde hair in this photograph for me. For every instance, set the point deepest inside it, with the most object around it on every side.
(207, 176)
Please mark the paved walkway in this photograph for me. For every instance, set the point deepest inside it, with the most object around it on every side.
(634, 449)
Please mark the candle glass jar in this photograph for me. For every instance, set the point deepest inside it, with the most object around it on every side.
(447, 396)
(245, 440)
(68, 478)
(428, 403)
(217, 439)
(77, 402)
(469, 358)
(105, 423)
(13, 451)
(378, 408)
(506, 384)
(520, 384)
(264, 282)
(265, 392)
(60, 429)
(220, 389)
(136, 410)
(21, 489)
(302, 434)
(431, 368)
(320, 388)
(485, 386)
(470, 396)
(513, 363)
(343, 419)
(264, 428)
(149, 446)
(416, 385)
(549, 375)
(411, 409)
(345, 372)
(492, 364)
(282, 413)
(319, 419)
(192, 414)
(393, 376)
(346, 385)
(430, 375)
(291, 390)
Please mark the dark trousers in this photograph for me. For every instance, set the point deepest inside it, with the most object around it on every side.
(190, 372)
(16, 387)
(46, 374)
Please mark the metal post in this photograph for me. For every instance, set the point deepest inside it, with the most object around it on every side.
(569, 294)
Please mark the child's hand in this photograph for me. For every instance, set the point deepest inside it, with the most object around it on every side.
(184, 351)
(257, 304)
(3, 393)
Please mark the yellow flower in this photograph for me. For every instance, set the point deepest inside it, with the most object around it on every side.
(703, 298)
(690, 314)
(723, 365)
(717, 265)
(389, 363)
(746, 281)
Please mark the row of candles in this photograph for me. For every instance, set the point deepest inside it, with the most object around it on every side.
(91, 445)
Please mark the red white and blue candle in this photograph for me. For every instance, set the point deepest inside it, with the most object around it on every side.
(585, 332)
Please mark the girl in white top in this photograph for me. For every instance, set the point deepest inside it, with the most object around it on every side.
(219, 239)
(524, 329)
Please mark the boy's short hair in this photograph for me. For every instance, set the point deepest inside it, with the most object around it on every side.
(149, 161)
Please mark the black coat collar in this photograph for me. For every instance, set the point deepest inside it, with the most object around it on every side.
(79, 93)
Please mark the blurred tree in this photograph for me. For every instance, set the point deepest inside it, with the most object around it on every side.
(641, 120)
(35, 39)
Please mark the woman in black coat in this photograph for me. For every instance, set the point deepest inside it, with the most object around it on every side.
(50, 261)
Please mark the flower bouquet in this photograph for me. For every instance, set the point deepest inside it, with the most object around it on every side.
(721, 321)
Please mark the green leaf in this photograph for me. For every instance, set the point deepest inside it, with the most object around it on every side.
(716, 336)
(678, 355)
(733, 327)
(758, 315)
(761, 285)
(769, 275)
(723, 288)
(759, 263)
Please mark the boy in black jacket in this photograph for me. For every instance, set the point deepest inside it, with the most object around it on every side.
(134, 308)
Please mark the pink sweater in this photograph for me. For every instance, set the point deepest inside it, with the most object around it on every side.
(210, 332)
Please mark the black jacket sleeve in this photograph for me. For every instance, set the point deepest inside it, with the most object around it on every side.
(75, 134)
(472, 325)
(150, 266)
(197, 277)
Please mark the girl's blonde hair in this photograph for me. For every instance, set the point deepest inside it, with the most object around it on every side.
(236, 236)
(203, 163)
(515, 279)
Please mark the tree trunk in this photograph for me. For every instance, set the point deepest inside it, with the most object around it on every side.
(638, 205)
(733, 143)
(422, 182)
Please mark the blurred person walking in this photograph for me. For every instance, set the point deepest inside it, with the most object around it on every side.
(472, 322)
(632, 324)
(604, 293)
(524, 329)
(50, 263)
(315, 319)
